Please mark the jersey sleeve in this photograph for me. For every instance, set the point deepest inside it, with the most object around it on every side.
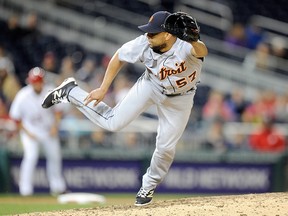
(15, 110)
(186, 48)
(132, 51)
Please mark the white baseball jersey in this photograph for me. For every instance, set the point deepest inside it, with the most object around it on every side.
(175, 71)
(27, 108)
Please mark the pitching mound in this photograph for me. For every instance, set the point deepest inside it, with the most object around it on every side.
(269, 204)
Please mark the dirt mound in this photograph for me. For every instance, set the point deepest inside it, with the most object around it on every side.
(268, 204)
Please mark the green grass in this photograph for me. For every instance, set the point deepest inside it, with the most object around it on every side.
(11, 204)
(14, 204)
(11, 209)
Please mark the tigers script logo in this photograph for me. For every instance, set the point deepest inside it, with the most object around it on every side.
(164, 72)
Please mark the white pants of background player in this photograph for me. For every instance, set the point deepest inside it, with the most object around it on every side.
(31, 147)
(173, 115)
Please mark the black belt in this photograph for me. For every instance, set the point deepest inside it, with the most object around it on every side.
(173, 95)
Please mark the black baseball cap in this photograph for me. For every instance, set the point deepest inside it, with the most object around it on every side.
(155, 22)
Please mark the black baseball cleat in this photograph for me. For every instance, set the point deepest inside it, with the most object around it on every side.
(59, 94)
(144, 197)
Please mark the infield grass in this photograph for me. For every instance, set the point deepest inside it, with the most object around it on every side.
(11, 204)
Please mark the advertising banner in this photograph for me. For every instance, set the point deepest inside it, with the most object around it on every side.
(87, 176)
(183, 177)
(218, 178)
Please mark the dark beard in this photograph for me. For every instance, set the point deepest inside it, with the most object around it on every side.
(158, 49)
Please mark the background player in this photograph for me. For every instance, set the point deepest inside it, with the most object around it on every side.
(173, 55)
(38, 128)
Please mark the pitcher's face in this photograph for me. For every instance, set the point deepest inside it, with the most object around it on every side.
(157, 41)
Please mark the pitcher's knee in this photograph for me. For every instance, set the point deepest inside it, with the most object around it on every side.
(114, 126)
(167, 152)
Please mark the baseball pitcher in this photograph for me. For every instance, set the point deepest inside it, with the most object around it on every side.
(173, 54)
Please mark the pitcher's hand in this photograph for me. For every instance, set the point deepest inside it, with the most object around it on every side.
(96, 95)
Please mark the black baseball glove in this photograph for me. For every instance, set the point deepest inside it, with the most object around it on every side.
(182, 26)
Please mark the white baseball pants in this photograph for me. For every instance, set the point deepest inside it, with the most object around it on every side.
(173, 114)
(31, 147)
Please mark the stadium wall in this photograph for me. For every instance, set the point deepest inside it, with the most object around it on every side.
(197, 172)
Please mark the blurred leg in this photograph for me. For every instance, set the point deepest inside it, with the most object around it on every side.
(28, 164)
(54, 165)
